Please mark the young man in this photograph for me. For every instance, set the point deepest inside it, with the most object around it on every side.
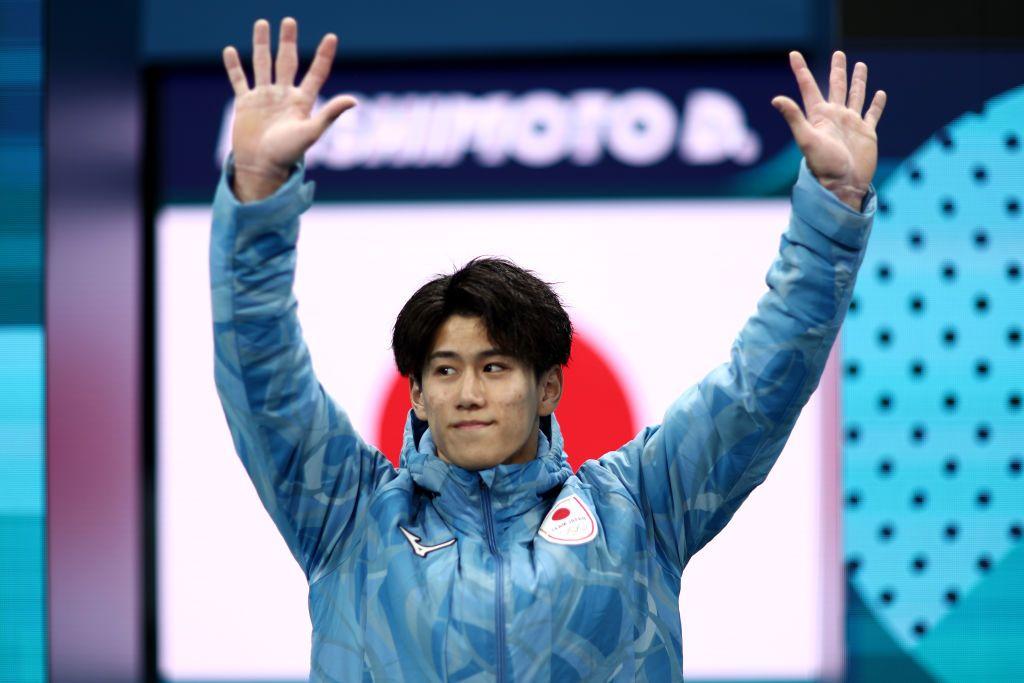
(483, 556)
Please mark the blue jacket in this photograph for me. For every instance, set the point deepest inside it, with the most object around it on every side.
(528, 572)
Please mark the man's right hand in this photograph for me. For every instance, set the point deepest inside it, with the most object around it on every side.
(273, 127)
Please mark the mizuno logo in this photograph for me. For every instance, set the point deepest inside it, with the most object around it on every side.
(423, 550)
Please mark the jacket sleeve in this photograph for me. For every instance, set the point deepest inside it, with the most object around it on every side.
(311, 470)
(719, 439)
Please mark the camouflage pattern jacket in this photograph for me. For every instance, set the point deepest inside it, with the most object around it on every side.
(529, 572)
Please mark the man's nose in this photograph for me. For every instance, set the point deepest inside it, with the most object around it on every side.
(471, 391)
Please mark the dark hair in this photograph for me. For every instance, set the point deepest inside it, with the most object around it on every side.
(522, 314)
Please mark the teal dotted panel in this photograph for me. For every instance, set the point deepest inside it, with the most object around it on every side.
(933, 381)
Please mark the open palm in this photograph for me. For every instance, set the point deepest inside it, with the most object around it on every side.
(273, 125)
(839, 144)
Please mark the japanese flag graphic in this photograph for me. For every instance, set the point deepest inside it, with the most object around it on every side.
(570, 522)
(656, 289)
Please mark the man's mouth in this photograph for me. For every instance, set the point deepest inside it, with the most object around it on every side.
(472, 424)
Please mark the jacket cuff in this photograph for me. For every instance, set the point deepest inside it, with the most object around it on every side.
(822, 210)
(288, 201)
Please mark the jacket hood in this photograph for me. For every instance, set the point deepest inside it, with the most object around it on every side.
(514, 488)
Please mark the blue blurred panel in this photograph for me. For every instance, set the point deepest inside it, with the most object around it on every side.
(19, 111)
(22, 374)
(20, 66)
(20, 163)
(463, 27)
(22, 22)
(22, 493)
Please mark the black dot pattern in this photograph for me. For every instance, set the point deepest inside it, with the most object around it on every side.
(951, 466)
(933, 376)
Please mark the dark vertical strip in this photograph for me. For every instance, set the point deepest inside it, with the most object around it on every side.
(94, 336)
(150, 200)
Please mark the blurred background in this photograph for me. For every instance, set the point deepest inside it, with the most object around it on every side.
(627, 152)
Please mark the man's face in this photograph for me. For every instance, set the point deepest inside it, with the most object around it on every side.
(483, 407)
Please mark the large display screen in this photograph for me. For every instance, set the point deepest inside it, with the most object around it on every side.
(657, 289)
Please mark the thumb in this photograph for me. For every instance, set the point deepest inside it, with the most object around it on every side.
(794, 117)
(334, 108)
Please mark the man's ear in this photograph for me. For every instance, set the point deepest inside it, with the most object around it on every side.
(416, 398)
(549, 390)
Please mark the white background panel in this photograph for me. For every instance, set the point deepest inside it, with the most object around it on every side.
(661, 287)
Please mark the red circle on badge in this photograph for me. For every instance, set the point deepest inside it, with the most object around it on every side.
(560, 513)
(595, 415)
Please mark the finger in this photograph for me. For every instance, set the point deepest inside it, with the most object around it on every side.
(805, 80)
(287, 53)
(328, 113)
(320, 69)
(837, 79)
(858, 87)
(875, 110)
(261, 52)
(798, 123)
(235, 72)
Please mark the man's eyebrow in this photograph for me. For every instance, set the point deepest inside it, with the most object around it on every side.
(445, 353)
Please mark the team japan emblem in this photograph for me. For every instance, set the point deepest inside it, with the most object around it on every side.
(570, 522)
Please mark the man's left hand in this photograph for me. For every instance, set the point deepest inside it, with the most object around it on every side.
(840, 145)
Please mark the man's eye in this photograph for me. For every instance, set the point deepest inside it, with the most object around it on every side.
(494, 367)
(445, 370)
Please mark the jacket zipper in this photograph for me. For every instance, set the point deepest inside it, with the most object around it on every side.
(499, 603)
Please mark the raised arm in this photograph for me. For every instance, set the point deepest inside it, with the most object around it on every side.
(721, 437)
(311, 470)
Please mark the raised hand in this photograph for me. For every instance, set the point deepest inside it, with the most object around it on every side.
(273, 123)
(840, 145)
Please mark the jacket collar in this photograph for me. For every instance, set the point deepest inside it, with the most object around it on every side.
(514, 489)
